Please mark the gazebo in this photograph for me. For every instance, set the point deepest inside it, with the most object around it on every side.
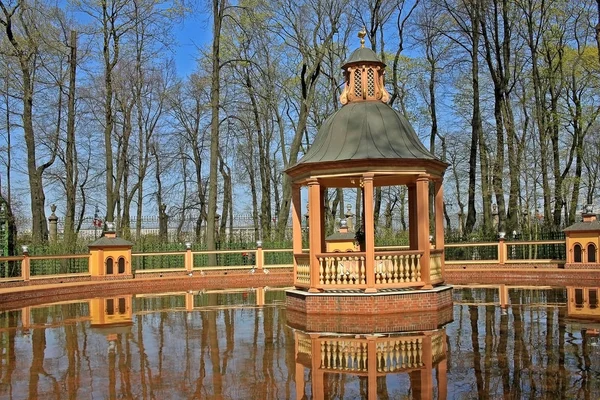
(366, 144)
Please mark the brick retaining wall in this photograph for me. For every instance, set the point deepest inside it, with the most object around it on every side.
(52, 292)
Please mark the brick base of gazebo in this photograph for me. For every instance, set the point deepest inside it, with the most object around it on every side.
(353, 307)
(348, 323)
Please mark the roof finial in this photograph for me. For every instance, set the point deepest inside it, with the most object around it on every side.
(362, 35)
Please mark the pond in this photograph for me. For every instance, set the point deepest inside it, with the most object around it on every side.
(238, 345)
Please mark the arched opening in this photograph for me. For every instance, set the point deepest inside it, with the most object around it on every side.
(110, 306)
(579, 298)
(593, 298)
(121, 264)
(122, 307)
(591, 253)
(577, 253)
(109, 266)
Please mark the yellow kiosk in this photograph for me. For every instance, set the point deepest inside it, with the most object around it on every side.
(110, 256)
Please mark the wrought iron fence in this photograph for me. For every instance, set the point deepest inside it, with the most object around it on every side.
(10, 269)
(472, 252)
(58, 265)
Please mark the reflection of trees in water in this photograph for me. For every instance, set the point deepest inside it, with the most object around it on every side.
(520, 352)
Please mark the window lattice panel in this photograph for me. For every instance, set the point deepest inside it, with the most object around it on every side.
(370, 82)
(357, 83)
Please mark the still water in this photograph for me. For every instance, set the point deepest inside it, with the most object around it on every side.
(237, 345)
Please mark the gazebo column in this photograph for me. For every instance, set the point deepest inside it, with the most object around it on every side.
(442, 379)
(427, 369)
(371, 367)
(322, 207)
(296, 226)
(299, 369)
(369, 233)
(422, 206)
(412, 217)
(318, 390)
(314, 231)
(439, 220)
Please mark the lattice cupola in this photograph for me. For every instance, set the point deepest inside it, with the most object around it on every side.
(363, 76)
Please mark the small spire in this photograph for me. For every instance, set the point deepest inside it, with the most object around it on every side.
(362, 35)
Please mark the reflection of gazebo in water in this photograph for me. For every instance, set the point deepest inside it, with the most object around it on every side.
(364, 145)
(369, 363)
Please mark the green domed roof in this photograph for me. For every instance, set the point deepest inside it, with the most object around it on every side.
(366, 130)
(363, 55)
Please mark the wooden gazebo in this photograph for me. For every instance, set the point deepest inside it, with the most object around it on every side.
(363, 145)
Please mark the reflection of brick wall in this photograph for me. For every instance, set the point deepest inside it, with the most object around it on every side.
(397, 322)
(369, 304)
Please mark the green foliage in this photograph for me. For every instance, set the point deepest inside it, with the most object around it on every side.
(389, 237)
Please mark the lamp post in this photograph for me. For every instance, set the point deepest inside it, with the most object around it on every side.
(97, 222)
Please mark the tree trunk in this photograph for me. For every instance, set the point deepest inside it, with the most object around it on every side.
(217, 14)
(70, 156)
(39, 228)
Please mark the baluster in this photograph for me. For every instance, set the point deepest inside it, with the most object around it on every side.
(401, 273)
(402, 266)
(397, 354)
(377, 268)
(386, 356)
(403, 353)
(344, 364)
(418, 267)
(334, 355)
(419, 352)
(390, 270)
(352, 356)
(362, 270)
(413, 354)
(323, 346)
(395, 268)
(411, 267)
(363, 356)
(321, 271)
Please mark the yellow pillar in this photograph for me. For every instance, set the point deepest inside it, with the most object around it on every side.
(25, 318)
(189, 259)
(189, 301)
(503, 295)
(314, 231)
(501, 251)
(422, 206)
(369, 233)
(25, 265)
(259, 257)
(260, 296)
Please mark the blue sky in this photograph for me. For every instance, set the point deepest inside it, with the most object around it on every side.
(193, 32)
